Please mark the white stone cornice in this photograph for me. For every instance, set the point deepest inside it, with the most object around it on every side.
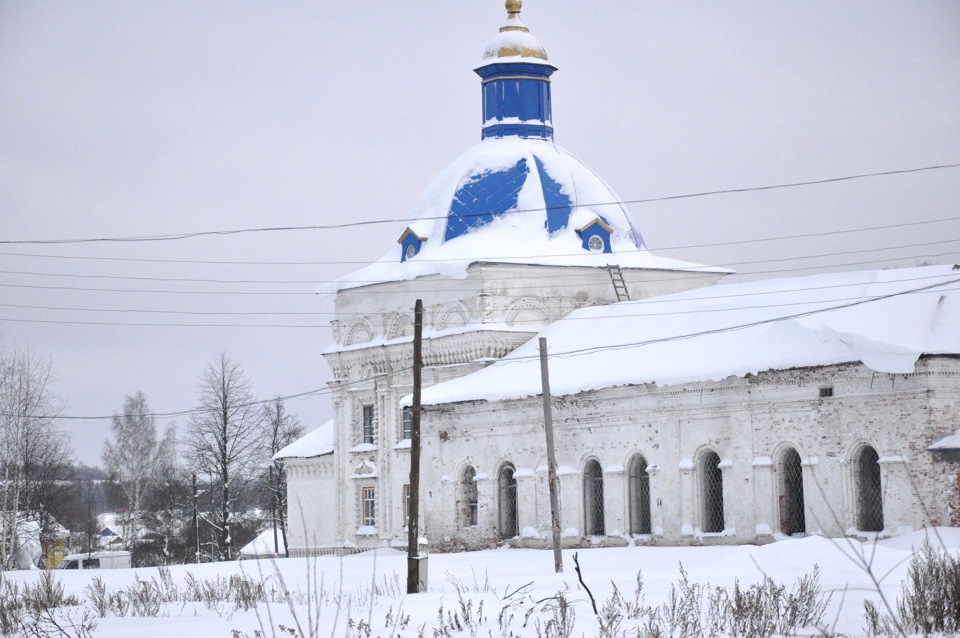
(437, 351)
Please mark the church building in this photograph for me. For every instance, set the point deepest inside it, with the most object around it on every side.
(684, 411)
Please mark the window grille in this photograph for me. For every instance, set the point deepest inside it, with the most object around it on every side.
(369, 499)
(507, 486)
(869, 491)
(369, 425)
(596, 244)
(826, 392)
(468, 489)
(593, 498)
(711, 489)
(790, 482)
(407, 423)
(638, 487)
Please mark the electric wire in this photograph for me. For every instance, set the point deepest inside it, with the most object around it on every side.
(559, 354)
(612, 310)
(432, 289)
(239, 231)
(531, 322)
(472, 259)
(538, 278)
(751, 324)
(344, 318)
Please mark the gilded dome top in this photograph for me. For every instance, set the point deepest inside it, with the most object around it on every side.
(514, 39)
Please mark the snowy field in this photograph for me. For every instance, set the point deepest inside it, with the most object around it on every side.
(517, 588)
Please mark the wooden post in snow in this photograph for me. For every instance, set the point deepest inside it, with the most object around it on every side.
(415, 563)
(196, 520)
(551, 458)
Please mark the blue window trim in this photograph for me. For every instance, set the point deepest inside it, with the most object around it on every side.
(407, 239)
(596, 228)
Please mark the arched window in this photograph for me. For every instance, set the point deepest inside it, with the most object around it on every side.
(593, 498)
(711, 492)
(468, 496)
(869, 490)
(790, 493)
(507, 488)
(638, 495)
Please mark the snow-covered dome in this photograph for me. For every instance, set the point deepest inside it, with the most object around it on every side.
(514, 39)
(519, 199)
(515, 197)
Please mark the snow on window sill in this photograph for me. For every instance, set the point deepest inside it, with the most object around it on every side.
(366, 530)
(729, 531)
(364, 447)
(402, 445)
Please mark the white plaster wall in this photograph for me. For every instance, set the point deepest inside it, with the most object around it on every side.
(746, 421)
(311, 504)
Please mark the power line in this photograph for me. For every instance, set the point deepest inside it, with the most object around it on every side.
(532, 322)
(752, 324)
(226, 282)
(540, 277)
(570, 353)
(163, 292)
(364, 262)
(651, 300)
(646, 302)
(248, 313)
(167, 415)
(239, 231)
(432, 288)
(300, 395)
(133, 324)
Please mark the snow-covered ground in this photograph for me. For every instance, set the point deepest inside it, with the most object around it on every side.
(514, 580)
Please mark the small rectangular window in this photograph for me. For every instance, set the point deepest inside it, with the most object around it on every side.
(369, 425)
(826, 392)
(369, 498)
(407, 423)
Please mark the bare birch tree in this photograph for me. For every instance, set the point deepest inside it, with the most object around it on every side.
(225, 440)
(27, 412)
(283, 429)
(136, 458)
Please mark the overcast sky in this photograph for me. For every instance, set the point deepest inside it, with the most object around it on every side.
(122, 119)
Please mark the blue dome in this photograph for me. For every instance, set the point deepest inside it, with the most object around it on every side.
(505, 184)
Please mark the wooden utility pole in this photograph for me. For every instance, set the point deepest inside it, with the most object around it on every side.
(415, 562)
(196, 520)
(273, 511)
(551, 458)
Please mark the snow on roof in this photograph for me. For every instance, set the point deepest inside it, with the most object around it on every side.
(949, 442)
(318, 442)
(514, 42)
(886, 319)
(263, 544)
(513, 200)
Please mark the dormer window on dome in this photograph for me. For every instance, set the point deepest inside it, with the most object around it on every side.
(410, 244)
(596, 236)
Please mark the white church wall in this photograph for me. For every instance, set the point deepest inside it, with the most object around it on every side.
(518, 296)
(311, 504)
(749, 423)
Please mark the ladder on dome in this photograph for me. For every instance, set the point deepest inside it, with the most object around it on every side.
(619, 285)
